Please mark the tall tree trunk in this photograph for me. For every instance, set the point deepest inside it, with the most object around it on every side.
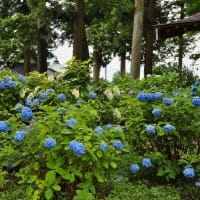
(41, 48)
(123, 63)
(27, 60)
(97, 65)
(181, 44)
(150, 38)
(137, 39)
(42, 56)
(80, 46)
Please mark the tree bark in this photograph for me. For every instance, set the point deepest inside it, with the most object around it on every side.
(41, 48)
(181, 44)
(27, 60)
(150, 38)
(123, 64)
(97, 65)
(80, 46)
(42, 56)
(137, 39)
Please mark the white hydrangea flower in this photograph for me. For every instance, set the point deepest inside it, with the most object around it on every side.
(75, 92)
(116, 91)
(108, 94)
(116, 113)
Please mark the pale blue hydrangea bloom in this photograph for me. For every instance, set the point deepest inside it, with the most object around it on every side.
(99, 130)
(150, 129)
(77, 148)
(118, 145)
(146, 162)
(62, 97)
(49, 143)
(134, 168)
(188, 172)
(103, 146)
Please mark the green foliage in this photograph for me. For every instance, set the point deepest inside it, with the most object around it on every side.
(47, 172)
(60, 172)
(77, 73)
(140, 191)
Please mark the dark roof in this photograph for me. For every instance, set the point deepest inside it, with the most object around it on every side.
(164, 31)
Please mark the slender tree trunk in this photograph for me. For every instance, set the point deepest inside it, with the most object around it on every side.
(41, 48)
(123, 63)
(42, 56)
(27, 60)
(97, 65)
(80, 46)
(150, 38)
(181, 44)
(137, 38)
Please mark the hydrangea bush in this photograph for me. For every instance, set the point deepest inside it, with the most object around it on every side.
(61, 138)
(53, 145)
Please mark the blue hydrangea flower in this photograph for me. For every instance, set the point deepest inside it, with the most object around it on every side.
(10, 166)
(168, 128)
(27, 113)
(43, 96)
(99, 130)
(108, 126)
(3, 126)
(19, 136)
(134, 168)
(168, 101)
(92, 95)
(176, 94)
(77, 148)
(18, 107)
(197, 83)
(2, 85)
(49, 143)
(131, 92)
(196, 101)
(193, 93)
(156, 112)
(146, 162)
(36, 102)
(158, 95)
(188, 172)
(149, 96)
(28, 102)
(22, 79)
(71, 122)
(118, 145)
(11, 84)
(194, 88)
(78, 103)
(103, 146)
(141, 96)
(150, 129)
(49, 90)
(7, 79)
(197, 184)
(62, 97)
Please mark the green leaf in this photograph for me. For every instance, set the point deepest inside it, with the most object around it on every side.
(99, 177)
(99, 154)
(50, 177)
(1, 181)
(49, 194)
(56, 187)
(84, 195)
(66, 175)
(113, 164)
